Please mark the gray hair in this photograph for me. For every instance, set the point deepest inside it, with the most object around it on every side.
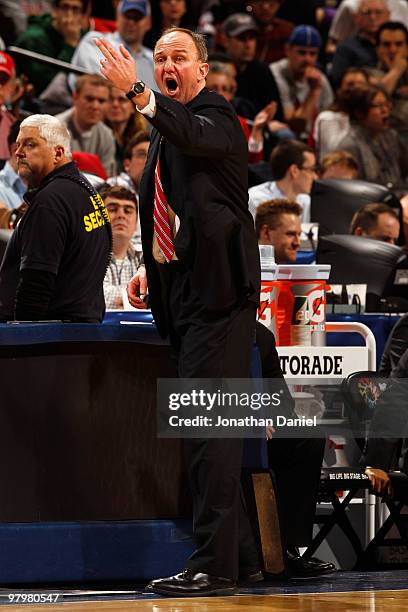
(360, 2)
(52, 130)
(219, 68)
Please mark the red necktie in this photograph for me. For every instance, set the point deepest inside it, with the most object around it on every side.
(162, 229)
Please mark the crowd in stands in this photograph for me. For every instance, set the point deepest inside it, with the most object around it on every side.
(320, 89)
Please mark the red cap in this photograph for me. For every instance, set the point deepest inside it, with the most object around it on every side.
(88, 162)
(7, 64)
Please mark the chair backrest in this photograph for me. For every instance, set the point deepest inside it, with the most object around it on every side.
(361, 391)
(334, 202)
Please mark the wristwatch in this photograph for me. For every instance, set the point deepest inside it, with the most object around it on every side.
(137, 89)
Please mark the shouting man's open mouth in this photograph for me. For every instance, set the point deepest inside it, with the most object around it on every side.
(171, 86)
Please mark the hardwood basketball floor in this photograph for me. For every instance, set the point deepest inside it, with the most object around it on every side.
(377, 601)
(343, 591)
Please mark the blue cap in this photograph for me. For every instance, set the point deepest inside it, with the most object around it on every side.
(305, 36)
(137, 5)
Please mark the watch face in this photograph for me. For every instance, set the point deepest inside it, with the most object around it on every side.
(138, 87)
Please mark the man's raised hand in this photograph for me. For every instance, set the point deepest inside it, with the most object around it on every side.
(118, 66)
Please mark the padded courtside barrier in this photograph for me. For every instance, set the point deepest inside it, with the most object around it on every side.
(92, 551)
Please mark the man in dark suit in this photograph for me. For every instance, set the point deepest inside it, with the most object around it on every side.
(202, 268)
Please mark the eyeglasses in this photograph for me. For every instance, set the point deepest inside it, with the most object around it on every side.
(114, 208)
(373, 12)
(382, 105)
(70, 8)
(311, 169)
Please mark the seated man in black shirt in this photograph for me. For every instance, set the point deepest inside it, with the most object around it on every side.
(57, 257)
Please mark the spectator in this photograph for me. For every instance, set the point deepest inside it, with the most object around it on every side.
(85, 120)
(244, 107)
(254, 80)
(7, 88)
(166, 13)
(376, 221)
(13, 20)
(219, 79)
(132, 22)
(277, 222)
(134, 161)
(380, 153)
(55, 35)
(57, 256)
(273, 32)
(344, 23)
(122, 207)
(392, 71)
(386, 445)
(339, 165)
(293, 166)
(304, 90)
(333, 124)
(12, 186)
(124, 121)
(359, 50)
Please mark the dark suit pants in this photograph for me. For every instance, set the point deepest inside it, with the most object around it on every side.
(214, 345)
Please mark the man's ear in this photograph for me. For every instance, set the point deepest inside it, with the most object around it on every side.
(59, 153)
(264, 233)
(126, 164)
(203, 71)
(293, 171)
(359, 231)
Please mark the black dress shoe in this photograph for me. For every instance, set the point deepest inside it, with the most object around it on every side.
(313, 568)
(251, 577)
(192, 584)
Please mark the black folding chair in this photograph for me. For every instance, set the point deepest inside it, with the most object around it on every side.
(361, 391)
(332, 481)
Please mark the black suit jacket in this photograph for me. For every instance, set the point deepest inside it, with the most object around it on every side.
(203, 163)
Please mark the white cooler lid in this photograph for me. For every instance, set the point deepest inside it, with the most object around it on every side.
(303, 272)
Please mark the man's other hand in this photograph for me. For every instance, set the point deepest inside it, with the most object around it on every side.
(380, 481)
(137, 289)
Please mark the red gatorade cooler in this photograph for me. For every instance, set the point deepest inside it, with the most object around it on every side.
(293, 304)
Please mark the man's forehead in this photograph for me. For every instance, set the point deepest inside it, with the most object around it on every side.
(309, 155)
(386, 219)
(176, 41)
(141, 145)
(392, 34)
(29, 132)
(372, 4)
(118, 201)
(71, 4)
(89, 88)
(290, 221)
